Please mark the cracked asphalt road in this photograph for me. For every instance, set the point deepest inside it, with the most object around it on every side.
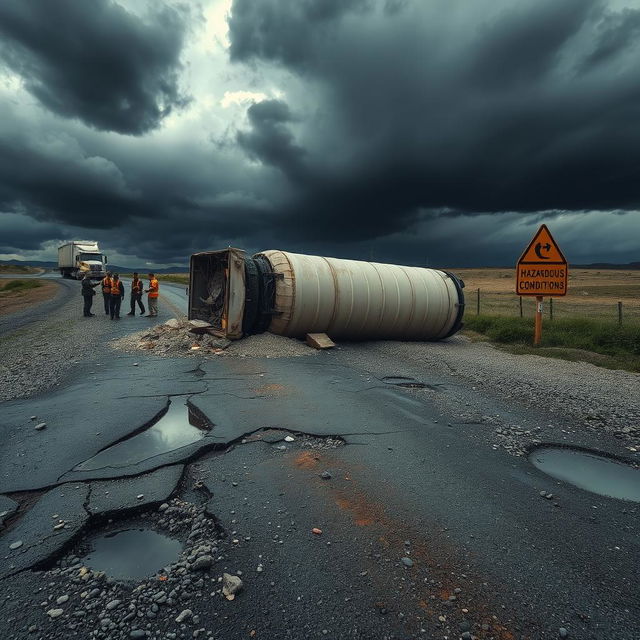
(430, 525)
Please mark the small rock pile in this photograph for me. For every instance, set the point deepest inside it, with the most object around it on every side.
(198, 338)
(176, 337)
(90, 602)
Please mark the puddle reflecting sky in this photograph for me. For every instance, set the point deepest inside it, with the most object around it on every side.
(178, 427)
(589, 471)
(132, 554)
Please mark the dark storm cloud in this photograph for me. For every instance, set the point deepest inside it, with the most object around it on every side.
(284, 31)
(269, 139)
(421, 108)
(617, 32)
(96, 61)
(51, 178)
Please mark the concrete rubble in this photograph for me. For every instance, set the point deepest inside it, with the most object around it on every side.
(180, 337)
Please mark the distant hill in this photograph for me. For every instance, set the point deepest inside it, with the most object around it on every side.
(607, 265)
(112, 267)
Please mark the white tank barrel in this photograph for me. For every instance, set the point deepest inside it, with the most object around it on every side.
(292, 294)
(349, 299)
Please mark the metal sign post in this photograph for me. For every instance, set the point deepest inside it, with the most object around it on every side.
(541, 269)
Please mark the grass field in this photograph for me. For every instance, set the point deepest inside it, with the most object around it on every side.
(591, 294)
(585, 324)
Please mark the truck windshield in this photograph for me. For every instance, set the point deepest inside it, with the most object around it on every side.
(91, 256)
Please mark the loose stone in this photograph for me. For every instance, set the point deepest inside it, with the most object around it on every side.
(407, 562)
(187, 613)
(230, 585)
(55, 613)
(202, 563)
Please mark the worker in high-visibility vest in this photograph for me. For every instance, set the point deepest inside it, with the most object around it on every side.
(117, 293)
(106, 291)
(154, 286)
(136, 295)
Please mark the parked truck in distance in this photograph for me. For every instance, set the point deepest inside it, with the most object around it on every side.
(79, 257)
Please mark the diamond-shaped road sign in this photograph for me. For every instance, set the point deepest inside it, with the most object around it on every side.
(542, 269)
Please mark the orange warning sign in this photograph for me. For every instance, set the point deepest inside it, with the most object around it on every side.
(542, 269)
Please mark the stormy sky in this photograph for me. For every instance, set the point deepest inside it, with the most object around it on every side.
(434, 132)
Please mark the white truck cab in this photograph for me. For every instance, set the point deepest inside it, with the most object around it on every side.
(79, 257)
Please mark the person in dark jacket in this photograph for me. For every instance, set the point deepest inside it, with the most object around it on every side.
(88, 293)
(117, 293)
(136, 295)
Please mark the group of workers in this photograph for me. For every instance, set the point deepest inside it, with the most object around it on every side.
(113, 294)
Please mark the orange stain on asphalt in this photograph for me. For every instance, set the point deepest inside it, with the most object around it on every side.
(307, 460)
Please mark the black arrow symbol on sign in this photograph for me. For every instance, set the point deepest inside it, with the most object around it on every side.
(538, 249)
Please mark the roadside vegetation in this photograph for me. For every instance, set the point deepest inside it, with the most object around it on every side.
(17, 294)
(15, 286)
(18, 268)
(598, 321)
(177, 278)
(601, 342)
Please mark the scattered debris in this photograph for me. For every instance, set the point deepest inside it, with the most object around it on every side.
(230, 586)
(175, 338)
(289, 439)
(320, 341)
(199, 326)
(316, 531)
(325, 475)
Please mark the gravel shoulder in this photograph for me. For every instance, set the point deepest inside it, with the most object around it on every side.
(38, 355)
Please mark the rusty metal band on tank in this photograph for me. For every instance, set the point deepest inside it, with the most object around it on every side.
(292, 294)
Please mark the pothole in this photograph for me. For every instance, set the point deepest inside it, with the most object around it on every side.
(131, 554)
(402, 381)
(179, 426)
(590, 471)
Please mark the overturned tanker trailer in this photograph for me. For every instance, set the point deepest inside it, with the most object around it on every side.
(292, 294)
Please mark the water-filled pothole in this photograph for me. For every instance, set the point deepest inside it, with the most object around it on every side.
(179, 426)
(589, 471)
(131, 554)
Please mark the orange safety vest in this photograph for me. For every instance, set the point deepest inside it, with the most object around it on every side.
(106, 285)
(136, 286)
(116, 288)
(153, 288)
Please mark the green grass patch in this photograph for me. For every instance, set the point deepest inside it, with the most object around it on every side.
(20, 285)
(600, 342)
